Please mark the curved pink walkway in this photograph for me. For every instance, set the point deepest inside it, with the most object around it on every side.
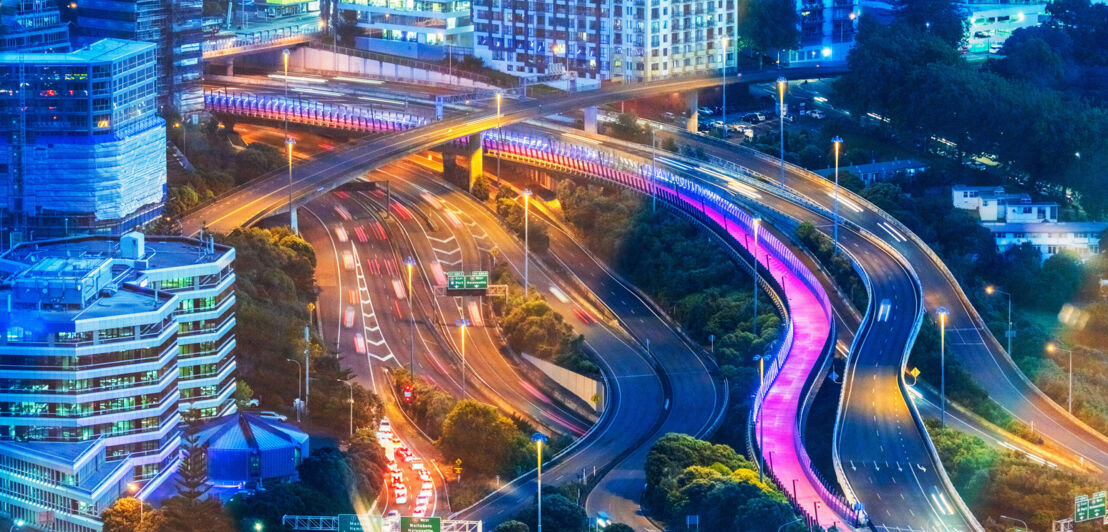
(776, 428)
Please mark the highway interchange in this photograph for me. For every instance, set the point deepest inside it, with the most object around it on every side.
(876, 419)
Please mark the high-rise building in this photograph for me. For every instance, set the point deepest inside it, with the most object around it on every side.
(637, 40)
(173, 26)
(106, 341)
(32, 26)
(81, 145)
(421, 29)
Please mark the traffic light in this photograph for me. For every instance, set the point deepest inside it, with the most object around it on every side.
(407, 393)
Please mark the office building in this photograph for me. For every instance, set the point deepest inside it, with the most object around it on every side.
(32, 26)
(990, 24)
(419, 29)
(81, 145)
(107, 340)
(173, 26)
(625, 40)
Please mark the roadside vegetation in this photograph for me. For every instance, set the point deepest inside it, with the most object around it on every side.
(995, 483)
(837, 263)
(687, 274)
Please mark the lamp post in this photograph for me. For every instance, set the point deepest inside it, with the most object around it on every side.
(258, 526)
(299, 373)
(526, 241)
(134, 488)
(292, 209)
(781, 84)
(837, 141)
(410, 263)
(351, 401)
(723, 79)
(539, 438)
(942, 365)
(1010, 332)
(653, 171)
(462, 324)
(18, 523)
(761, 359)
(285, 60)
(1020, 521)
(499, 138)
(1051, 347)
(757, 223)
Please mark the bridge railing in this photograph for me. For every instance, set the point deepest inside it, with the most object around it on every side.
(345, 117)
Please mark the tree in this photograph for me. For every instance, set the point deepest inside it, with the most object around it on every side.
(129, 514)
(481, 188)
(558, 513)
(483, 438)
(192, 482)
(769, 25)
(618, 527)
(942, 18)
(243, 393)
(512, 526)
(179, 514)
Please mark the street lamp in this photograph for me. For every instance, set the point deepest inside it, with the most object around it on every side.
(526, 241)
(1051, 347)
(351, 401)
(258, 526)
(462, 324)
(184, 136)
(499, 138)
(299, 374)
(757, 224)
(1010, 333)
(761, 359)
(837, 141)
(723, 77)
(285, 60)
(1020, 521)
(410, 263)
(292, 210)
(18, 523)
(653, 170)
(539, 438)
(942, 364)
(134, 488)
(781, 85)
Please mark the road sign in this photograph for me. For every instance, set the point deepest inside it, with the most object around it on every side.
(420, 524)
(465, 284)
(1087, 509)
(360, 523)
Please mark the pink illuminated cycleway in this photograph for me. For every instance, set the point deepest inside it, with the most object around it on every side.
(776, 427)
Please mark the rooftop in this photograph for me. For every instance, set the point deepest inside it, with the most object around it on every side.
(104, 50)
(161, 251)
(1055, 227)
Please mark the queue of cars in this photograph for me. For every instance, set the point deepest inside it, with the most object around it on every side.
(402, 455)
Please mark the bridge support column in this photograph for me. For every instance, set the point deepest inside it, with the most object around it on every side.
(692, 103)
(230, 66)
(590, 119)
(476, 157)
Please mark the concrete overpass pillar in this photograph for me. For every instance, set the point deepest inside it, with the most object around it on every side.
(590, 119)
(230, 66)
(692, 103)
(476, 157)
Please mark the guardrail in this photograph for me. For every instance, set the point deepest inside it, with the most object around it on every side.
(703, 203)
(348, 118)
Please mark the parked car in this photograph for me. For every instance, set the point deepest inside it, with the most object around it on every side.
(705, 111)
(817, 114)
(269, 414)
(761, 117)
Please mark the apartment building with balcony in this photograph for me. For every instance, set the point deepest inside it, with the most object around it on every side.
(827, 29)
(81, 145)
(107, 340)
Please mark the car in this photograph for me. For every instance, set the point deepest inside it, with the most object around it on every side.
(789, 118)
(419, 511)
(351, 296)
(421, 501)
(761, 117)
(425, 493)
(817, 114)
(269, 414)
(995, 49)
(583, 316)
(400, 495)
(384, 425)
(252, 402)
(348, 260)
(426, 486)
(424, 475)
(359, 343)
(397, 478)
(602, 519)
(396, 441)
(348, 317)
(340, 233)
(417, 464)
(705, 111)
(392, 467)
(393, 514)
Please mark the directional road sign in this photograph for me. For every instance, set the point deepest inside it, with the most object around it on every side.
(420, 524)
(467, 284)
(360, 523)
(1088, 508)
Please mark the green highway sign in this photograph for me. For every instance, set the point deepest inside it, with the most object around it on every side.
(476, 282)
(360, 523)
(1087, 508)
(420, 524)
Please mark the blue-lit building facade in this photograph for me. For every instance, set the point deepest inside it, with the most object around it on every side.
(81, 144)
(107, 340)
